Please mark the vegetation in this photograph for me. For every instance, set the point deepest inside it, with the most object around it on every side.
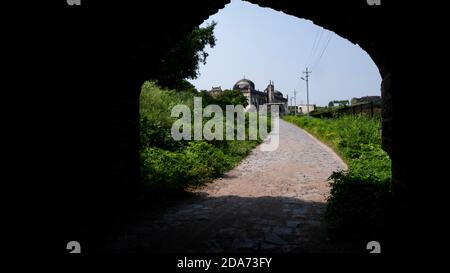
(339, 103)
(370, 108)
(226, 97)
(366, 99)
(357, 208)
(169, 165)
(172, 166)
(182, 61)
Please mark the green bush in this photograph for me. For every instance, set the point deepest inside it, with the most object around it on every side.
(360, 197)
(154, 134)
(205, 161)
(357, 209)
(169, 165)
(372, 164)
(199, 162)
(161, 169)
(155, 120)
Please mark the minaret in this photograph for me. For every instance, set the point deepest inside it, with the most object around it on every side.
(270, 91)
(249, 96)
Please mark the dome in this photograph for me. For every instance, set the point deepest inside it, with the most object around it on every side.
(244, 84)
(278, 93)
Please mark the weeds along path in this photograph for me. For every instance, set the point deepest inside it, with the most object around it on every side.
(271, 202)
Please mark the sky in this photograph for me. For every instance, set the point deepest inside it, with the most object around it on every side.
(266, 45)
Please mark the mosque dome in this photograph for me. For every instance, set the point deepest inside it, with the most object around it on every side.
(244, 84)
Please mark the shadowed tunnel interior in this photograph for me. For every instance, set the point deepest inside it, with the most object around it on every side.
(190, 230)
(107, 52)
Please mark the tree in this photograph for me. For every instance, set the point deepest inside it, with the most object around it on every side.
(184, 85)
(231, 97)
(344, 102)
(182, 61)
(224, 98)
(340, 103)
(207, 98)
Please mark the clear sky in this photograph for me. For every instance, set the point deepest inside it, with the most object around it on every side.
(264, 44)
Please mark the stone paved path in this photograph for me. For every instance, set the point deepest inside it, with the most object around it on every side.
(271, 202)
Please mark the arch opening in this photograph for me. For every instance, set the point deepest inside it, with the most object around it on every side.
(124, 53)
(247, 85)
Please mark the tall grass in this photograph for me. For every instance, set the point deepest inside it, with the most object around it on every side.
(360, 198)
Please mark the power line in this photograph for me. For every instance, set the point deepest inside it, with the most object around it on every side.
(324, 49)
(311, 53)
(317, 46)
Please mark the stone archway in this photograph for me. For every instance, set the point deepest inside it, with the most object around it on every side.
(117, 51)
(356, 21)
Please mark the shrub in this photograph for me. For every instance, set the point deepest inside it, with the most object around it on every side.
(360, 198)
(372, 164)
(155, 119)
(199, 162)
(357, 209)
(205, 161)
(168, 165)
(154, 134)
(163, 169)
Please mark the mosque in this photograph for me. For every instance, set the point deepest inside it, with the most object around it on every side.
(270, 96)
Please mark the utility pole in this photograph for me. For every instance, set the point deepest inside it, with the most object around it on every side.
(306, 79)
(295, 101)
(292, 104)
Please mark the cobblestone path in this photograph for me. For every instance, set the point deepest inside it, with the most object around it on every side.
(271, 202)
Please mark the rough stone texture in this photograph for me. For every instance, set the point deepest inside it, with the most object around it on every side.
(271, 202)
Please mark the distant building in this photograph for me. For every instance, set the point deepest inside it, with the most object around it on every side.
(215, 91)
(270, 96)
(304, 109)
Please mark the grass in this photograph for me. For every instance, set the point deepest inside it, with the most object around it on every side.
(360, 198)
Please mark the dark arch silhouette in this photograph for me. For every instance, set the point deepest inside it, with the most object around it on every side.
(105, 52)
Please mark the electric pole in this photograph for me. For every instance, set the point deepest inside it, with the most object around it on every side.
(292, 104)
(295, 101)
(306, 79)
